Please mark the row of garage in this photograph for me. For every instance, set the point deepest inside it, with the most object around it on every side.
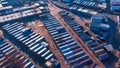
(72, 52)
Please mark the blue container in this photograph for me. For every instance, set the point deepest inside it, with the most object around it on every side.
(103, 56)
(26, 32)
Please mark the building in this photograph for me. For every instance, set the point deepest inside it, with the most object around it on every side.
(99, 24)
(101, 1)
(5, 10)
(115, 5)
